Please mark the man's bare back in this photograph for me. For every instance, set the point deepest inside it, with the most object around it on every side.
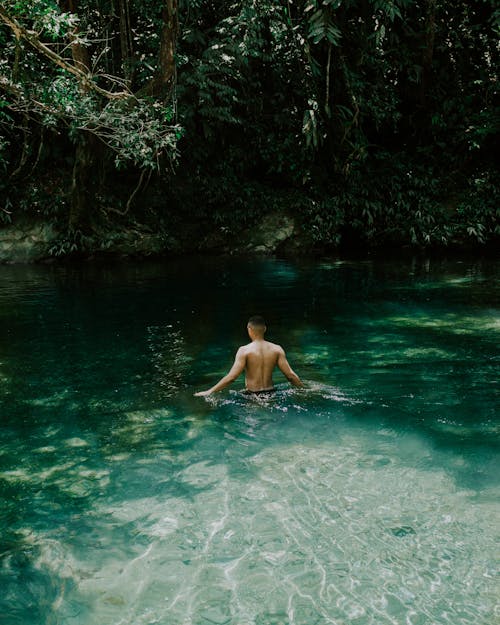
(258, 359)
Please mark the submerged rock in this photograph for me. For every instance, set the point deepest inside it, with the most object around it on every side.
(403, 530)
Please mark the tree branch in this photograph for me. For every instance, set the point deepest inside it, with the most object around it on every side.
(32, 38)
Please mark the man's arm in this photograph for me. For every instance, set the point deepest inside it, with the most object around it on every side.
(234, 372)
(287, 371)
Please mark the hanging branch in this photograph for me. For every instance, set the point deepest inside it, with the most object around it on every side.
(133, 194)
(327, 85)
(39, 153)
(25, 151)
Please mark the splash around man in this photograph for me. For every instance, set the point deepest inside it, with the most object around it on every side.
(258, 359)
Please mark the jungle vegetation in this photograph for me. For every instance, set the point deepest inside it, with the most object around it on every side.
(371, 122)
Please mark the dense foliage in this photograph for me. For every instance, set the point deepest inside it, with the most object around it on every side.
(371, 122)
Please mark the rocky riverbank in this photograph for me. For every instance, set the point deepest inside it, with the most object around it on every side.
(39, 242)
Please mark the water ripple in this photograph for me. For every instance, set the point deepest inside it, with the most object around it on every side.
(311, 535)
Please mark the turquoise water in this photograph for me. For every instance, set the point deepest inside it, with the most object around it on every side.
(371, 497)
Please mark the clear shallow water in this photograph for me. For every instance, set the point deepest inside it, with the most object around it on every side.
(369, 498)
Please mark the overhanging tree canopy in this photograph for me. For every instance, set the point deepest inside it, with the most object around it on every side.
(369, 111)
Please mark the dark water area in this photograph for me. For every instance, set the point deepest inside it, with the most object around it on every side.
(369, 497)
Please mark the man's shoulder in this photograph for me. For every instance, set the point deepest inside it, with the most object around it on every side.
(275, 347)
(251, 347)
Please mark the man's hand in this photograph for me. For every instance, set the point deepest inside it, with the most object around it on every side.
(203, 393)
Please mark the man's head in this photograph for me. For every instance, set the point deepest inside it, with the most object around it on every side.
(256, 326)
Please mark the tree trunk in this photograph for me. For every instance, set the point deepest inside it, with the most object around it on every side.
(170, 30)
(80, 53)
(81, 185)
(161, 86)
(83, 166)
(126, 39)
(428, 49)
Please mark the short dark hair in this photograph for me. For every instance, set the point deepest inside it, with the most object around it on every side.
(257, 321)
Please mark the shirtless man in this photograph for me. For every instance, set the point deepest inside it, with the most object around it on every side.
(258, 359)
